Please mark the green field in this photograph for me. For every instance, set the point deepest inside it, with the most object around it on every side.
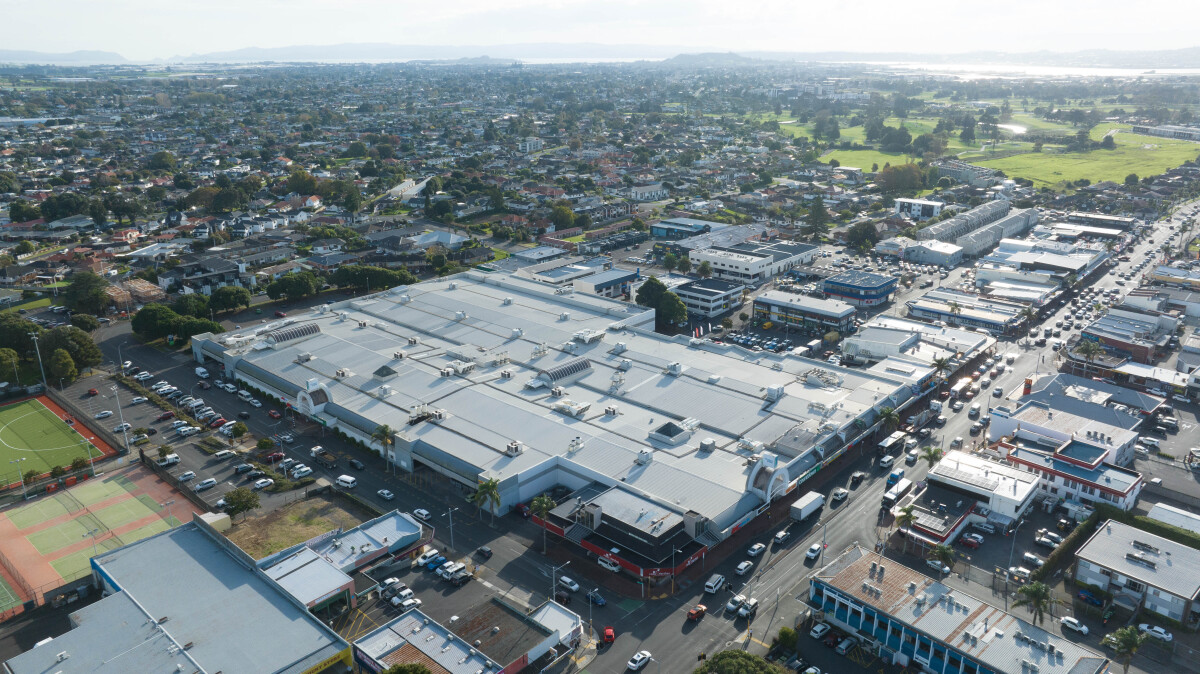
(36, 438)
(1143, 155)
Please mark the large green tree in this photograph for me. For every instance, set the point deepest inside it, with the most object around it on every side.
(85, 322)
(86, 292)
(816, 223)
(162, 161)
(408, 668)
(364, 277)
(154, 321)
(9, 360)
(487, 493)
(650, 293)
(671, 310)
(229, 298)
(193, 304)
(862, 235)
(1039, 597)
(240, 500)
(75, 342)
(60, 366)
(1125, 643)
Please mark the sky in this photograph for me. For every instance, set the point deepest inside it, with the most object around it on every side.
(143, 30)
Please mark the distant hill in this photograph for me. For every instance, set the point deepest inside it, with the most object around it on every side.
(1096, 58)
(383, 52)
(70, 58)
(710, 60)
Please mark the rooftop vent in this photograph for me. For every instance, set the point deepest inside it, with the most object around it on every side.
(674, 369)
(506, 374)
(454, 285)
(514, 448)
(507, 301)
(460, 315)
(644, 457)
(413, 341)
(440, 415)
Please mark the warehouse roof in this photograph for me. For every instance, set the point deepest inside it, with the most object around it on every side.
(1145, 557)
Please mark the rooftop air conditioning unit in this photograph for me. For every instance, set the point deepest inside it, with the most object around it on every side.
(405, 299)
(362, 324)
(439, 415)
(514, 448)
(675, 368)
(517, 332)
(611, 411)
(454, 285)
(564, 316)
(506, 374)
(413, 341)
(644, 457)
(709, 445)
(398, 355)
(447, 371)
(507, 301)
(460, 315)
(558, 391)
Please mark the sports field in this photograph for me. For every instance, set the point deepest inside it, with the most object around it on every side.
(37, 437)
(49, 540)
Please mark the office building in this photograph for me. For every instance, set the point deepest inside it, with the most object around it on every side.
(810, 314)
(610, 283)
(710, 297)
(908, 619)
(968, 174)
(682, 228)
(952, 228)
(1143, 337)
(1102, 220)
(937, 253)
(958, 308)
(753, 263)
(860, 288)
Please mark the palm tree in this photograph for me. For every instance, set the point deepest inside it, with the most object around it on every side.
(931, 454)
(384, 436)
(1071, 279)
(541, 505)
(944, 554)
(1125, 643)
(1028, 315)
(905, 519)
(955, 309)
(889, 419)
(940, 366)
(1038, 597)
(487, 493)
(1089, 350)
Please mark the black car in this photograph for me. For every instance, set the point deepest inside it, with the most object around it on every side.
(255, 474)
(151, 431)
(357, 465)
(562, 597)
(243, 415)
(485, 552)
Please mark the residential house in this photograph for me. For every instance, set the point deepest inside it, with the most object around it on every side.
(325, 246)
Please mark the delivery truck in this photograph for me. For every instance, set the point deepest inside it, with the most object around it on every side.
(807, 505)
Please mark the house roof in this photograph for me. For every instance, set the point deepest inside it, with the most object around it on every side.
(1145, 557)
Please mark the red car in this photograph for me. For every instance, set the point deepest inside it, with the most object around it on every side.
(610, 635)
(280, 314)
(274, 456)
(274, 414)
(969, 543)
(217, 423)
(166, 415)
(204, 385)
(93, 392)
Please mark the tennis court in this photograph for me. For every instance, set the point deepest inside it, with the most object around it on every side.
(49, 541)
(8, 596)
(37, 436)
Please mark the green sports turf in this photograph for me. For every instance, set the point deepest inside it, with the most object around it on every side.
(76, 564)
(59, 536)
(31, 433)
(91, 492)
(37, 512)
(8, 596)
(120, 514)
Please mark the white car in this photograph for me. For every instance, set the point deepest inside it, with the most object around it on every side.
(1156, 632)
(1069, 623)
(421, 514)
(756, 549)
(139, 399)
(427, 556)
(937, 566)
(839, 494)
(264, 483)
(410, 604)
(121, 428)
(385, 494)
(814, 551)
(302, 471)
(104, 414)
(744, 567)
(142, 376)
(819, 630)
(254, 403)
(566, 582)
(189, 475)
(638, 661)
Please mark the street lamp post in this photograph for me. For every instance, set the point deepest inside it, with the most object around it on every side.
(34, 337)
(554, 576)
(1012, 550)
(20, 476)
(121, 416)
(450, 514)
(673, 551)
(92, 533)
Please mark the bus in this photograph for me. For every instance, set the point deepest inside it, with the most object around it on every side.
(892, 443)
(893, 496)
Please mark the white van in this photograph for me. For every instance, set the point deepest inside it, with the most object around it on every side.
(222, 455)
(714, 584)
(201, 373)
(347, 481)
(169, 460)
(609, 564)
(245, 395)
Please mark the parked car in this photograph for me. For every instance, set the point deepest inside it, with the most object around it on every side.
(596, 598)
(744, 567)
(782, 537)
(1156, 632)
(638, 661)
(386, 494)
(819, 630)
(138, 399)
(1089, 598)
(756, 549)
(566, 582)
(103, 414)
(263, 483)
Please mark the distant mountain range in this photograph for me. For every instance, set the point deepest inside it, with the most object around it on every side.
(670, 55)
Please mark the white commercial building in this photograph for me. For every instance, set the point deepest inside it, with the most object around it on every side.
(940, 253)
(753, 263)
(918, 209)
